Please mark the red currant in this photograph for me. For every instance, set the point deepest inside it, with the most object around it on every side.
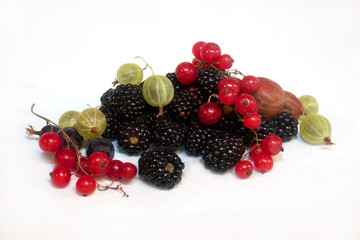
(209, 113)
(98, 163)
(252, 120)
(50, 142)
(249, 84)
(66, 157)
(271, 145)
(114, 171)
(196, 49)
(255, 150)
(245, 103)
(127, 170)
(244, 169)
(263, 162)
(228, 96)
(83, 163)
(225, 61)
(85, 185)
(186, 73)
(60, 176)
(210, 52)
(229, 83)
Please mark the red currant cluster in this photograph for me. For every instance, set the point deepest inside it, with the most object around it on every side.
(248, 96)
(70, 161)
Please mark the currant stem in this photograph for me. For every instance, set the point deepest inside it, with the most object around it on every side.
(106, 187)
(213, 95)
(30, 131)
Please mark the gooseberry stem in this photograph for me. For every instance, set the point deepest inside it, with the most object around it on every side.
(147, 65)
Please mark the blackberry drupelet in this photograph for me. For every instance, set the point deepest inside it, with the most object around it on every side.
(168, 133)
(100, 145)
(127, 101)
(161, 167)
(286, 126)
(207, 81)
(113, 122)
(134, 137)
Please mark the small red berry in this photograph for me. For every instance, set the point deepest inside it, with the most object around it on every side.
(210, 52)
(60, 176)
(85, 185)
(244, 169)
(271, 145)
(186, 73)
(263, 162)
(83, 163)
(50, 142)
(252, 120)
(245, 103)
(209, 113)
(249, 84)
(66, 157)
(225, 61)
(228, 96)
(127, 170)
(98, 163)
(114, 170)
(196, 49)
(229, 83)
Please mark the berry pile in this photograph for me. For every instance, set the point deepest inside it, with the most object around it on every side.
(232, 120)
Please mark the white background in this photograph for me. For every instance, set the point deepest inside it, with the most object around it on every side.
(62, 55)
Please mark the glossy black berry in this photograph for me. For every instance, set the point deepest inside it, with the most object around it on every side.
(134, 137)
(100, 145)
(224, 153)
(161, 167)
(286, 126)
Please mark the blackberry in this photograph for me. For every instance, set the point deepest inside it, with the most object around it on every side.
(105, 98)
(161, 167)
(113, 122)
(168, 133)
(266, 128)
(127, 101)
(185, 103)
(100, 145)
(177, 85)
(198, 138)
(225, 152)
(207, 80)
(286, 126)
(134, 137)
